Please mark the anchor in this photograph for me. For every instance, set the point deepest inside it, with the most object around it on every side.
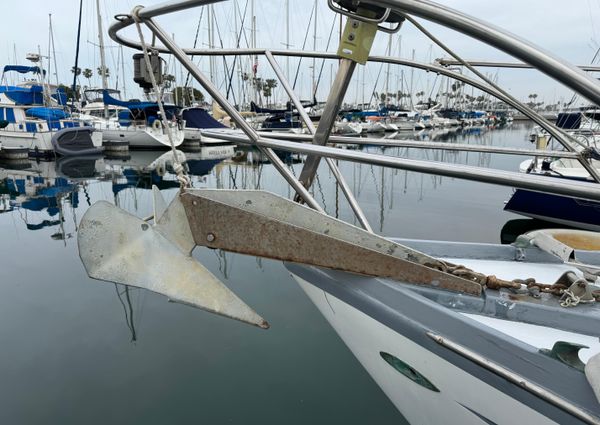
(118, 247)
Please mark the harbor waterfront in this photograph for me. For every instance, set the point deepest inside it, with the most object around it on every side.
(328, 211)
(77, 350)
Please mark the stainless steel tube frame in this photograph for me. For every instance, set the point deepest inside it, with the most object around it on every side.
(575, 189)
(552, 66)
(400, 143)
(360, 215)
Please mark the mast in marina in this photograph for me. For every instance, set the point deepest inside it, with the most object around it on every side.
(211, 43)
(387, 77)
(287, 38)
(314, 61)
(102, 56)
(51, 50)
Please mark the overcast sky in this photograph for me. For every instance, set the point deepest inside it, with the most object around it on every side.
(565, 28)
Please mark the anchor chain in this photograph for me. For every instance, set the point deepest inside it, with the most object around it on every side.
(490, 281)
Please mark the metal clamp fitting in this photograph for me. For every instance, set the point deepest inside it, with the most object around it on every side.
(377, 21)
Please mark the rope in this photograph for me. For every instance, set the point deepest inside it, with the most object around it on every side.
(182, 177)
(570, 299)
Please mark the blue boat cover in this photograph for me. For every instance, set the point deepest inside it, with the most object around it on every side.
(134, 105)
(22, 69)
(199, 118)
(24, 95)
(48, 114)
(569, 121)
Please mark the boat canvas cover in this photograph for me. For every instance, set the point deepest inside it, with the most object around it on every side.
(48, 114)
(569, 121)
(24, 95)
(139, 109)
(199, 118)
(23, 69)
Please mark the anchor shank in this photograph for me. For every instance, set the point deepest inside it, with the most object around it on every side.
(211, 223)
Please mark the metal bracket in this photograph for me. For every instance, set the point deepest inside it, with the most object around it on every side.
(359, 17)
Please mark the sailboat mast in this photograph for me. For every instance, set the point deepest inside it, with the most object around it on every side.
(387, 77)
(254, 57)
(76, 67)
(51, 49)
(412, 80)
(123, 73)
(211, 44)
(287, 38)
(314, 61)
(102, 57)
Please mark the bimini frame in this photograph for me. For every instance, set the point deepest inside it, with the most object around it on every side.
(561, 71)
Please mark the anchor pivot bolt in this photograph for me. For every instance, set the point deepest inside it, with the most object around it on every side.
(211, 237)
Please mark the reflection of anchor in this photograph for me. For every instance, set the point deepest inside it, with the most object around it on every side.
(127, 309)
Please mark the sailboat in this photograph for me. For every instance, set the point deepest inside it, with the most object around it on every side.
(33, 111)
(451, 332)
(565, 210)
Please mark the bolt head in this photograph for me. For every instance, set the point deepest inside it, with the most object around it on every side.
(211, 237)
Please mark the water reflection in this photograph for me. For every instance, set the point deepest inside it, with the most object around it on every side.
(39, 191)
(55, 322)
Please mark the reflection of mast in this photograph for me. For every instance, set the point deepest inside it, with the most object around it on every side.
(127, 309)
(381, 207)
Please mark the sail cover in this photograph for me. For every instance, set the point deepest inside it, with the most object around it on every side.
(199, 118)
(22, 69)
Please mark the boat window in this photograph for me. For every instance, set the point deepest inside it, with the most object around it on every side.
(10, 115)
(408, 371)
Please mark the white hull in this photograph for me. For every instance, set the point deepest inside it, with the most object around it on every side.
(374, 127)
(33, 141)
(348, 128)
(37, 143)
(462, 397)
(193, 134)
(143, 137)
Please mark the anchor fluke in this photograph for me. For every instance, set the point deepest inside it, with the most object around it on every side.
(118, 247)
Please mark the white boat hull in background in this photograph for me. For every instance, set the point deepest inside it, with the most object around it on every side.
(144, 137)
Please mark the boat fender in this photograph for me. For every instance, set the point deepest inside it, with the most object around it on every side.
(161, 169)
(157, 125)
(592, 373)
(592, 153)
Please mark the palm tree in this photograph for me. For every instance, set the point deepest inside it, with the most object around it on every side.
(87, 73)
(103, 72)
(268, 86)
(76, 71)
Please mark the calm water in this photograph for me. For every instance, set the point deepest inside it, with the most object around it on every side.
(79, 351)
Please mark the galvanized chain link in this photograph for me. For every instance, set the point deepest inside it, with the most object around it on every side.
(533, 288)
(182, 177)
